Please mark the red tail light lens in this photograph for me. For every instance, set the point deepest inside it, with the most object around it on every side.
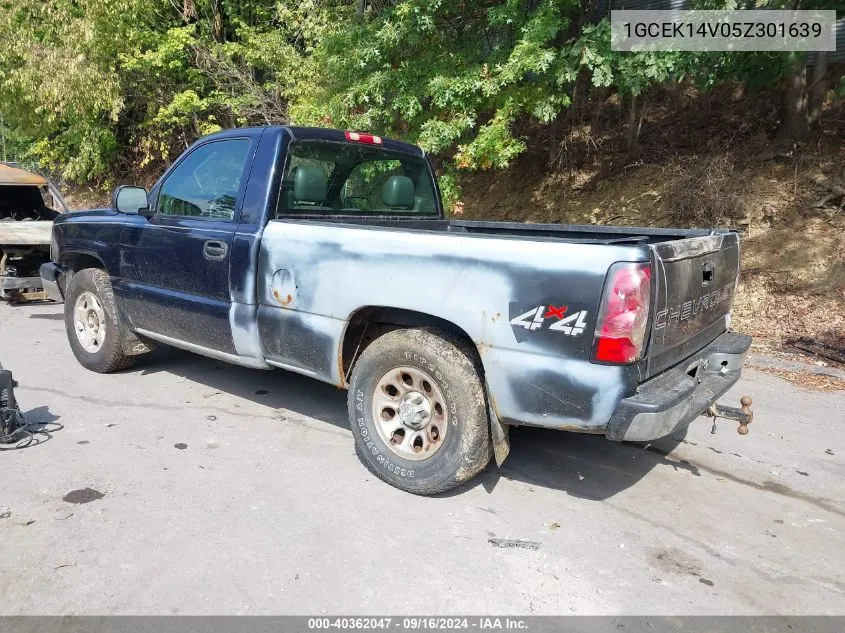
(359, 137)
(620, 330)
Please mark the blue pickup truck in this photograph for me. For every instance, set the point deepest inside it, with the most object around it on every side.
(327, 253)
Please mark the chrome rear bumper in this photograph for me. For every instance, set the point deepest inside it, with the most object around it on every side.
(670, 401)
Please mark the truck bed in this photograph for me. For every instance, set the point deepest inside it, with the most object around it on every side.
(694, 270)
(572, 233)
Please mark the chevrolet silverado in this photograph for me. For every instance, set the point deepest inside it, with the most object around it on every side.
(328, 253)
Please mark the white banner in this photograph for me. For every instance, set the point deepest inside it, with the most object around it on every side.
(741, 30)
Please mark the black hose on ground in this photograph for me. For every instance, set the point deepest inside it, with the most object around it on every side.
(16, 431)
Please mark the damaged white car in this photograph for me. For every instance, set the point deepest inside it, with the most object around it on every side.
(28, 205)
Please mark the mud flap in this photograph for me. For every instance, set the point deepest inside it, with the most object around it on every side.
(501, 439)
(131, 345)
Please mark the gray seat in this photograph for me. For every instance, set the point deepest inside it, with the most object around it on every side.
(423, 204)
(309, 187)
(398, 193)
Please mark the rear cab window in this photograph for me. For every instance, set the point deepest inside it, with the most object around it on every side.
(336, 178)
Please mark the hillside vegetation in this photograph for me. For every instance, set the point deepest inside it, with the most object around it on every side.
(525, 110)
(699, 166)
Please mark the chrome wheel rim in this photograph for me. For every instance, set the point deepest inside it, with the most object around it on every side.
(89, 322)
(410, 413)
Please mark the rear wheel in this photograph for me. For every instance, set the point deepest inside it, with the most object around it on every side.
(93, 329)
(418, 411)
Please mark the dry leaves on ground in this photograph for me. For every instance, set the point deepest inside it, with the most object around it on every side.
(807, 379)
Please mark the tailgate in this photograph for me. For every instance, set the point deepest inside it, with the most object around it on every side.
(695, 281)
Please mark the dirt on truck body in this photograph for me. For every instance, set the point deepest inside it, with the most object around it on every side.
(28, 205)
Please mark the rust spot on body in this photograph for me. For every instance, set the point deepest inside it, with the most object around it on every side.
(340, 369)
(285, 301)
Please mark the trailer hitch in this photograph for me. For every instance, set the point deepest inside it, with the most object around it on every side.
(744, 415)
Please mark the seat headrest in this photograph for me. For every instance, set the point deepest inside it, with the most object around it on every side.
(398, 191)
(309, 185)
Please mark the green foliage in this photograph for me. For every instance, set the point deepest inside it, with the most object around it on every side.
(450, 190)
(450, 75)
(99, 89)
(91, 88)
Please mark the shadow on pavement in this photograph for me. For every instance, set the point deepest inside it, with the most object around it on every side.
(40, 417)
(277, 389)
(39, 427)
(48, 316)
(584, 466)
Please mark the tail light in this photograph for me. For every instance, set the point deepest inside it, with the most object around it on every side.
(360, 137)
(620, 330)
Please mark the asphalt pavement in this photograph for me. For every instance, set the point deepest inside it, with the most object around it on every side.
(188, 486)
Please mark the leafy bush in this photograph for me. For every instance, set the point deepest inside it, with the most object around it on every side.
(99, 89)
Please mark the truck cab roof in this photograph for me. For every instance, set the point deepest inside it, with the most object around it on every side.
(302, 133)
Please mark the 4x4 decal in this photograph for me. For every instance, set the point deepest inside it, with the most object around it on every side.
(551, 318)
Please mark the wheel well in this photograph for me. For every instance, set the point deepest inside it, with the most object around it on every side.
(79, 261)
(367, 324)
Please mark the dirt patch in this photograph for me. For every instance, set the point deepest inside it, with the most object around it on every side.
(810, 381)
(82, 197)
(675, 561)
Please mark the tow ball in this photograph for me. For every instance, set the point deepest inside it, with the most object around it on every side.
(744, 415)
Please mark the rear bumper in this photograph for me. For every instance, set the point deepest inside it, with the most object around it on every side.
(50, 275)
(670, 401)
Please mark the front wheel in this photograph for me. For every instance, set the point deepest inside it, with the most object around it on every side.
(418, 411)
(93, 328)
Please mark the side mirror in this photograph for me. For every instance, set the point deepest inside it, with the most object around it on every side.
(130, 200)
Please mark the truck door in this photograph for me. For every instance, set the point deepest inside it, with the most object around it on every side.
(175, 268)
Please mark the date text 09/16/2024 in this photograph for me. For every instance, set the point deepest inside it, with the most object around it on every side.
(416, 623)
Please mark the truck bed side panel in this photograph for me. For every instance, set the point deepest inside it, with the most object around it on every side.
(530, 308)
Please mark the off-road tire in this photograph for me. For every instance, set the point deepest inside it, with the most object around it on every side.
(110, 356)
(466, 447)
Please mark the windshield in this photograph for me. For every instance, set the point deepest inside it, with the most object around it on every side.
(329, 178)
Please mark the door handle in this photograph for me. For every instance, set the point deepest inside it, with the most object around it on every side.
(215, 250)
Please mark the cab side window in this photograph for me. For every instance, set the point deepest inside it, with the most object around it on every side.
(206, 183)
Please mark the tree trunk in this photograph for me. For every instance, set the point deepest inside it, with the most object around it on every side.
(794, 125)
(218, 29)
(189, 11)
(818, 88)
(635, 123)
(360, 5)
(553, 142)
